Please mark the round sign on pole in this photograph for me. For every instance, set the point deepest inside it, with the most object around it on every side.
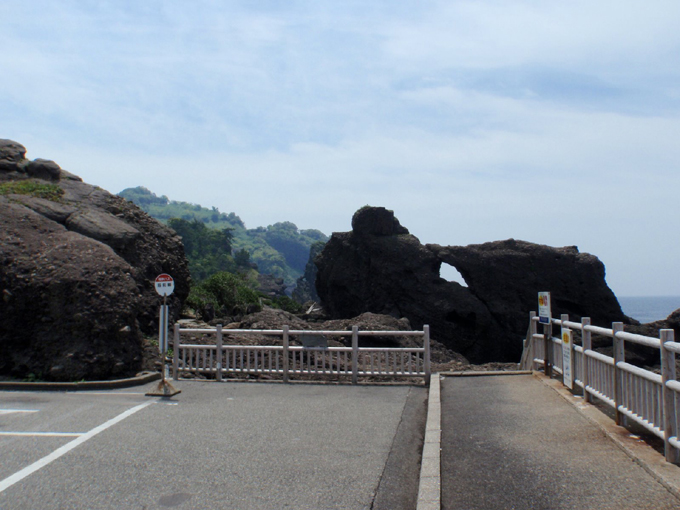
(165, 285)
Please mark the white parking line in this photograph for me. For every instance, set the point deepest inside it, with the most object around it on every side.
(43, 434)
(106, 393)
(10, 411)
(28, 470)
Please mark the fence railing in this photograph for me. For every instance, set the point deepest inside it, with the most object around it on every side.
(649, 399)
(287, 360)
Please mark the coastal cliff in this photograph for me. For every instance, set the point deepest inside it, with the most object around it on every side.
(380, 267)
(77, 266)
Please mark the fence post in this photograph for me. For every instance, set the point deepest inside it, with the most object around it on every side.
(175, 353)
(534, 331)
(219, 353)
(547, 343)
(619, 355)
(587, 344)
(355, 353)
(426, 345)
(565, 318)
(285, 353)
(668, 373)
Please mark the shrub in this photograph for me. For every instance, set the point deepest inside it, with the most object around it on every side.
(226, 294)
(285, 303)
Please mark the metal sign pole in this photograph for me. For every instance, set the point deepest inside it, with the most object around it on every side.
(165, 285)
(164, 337)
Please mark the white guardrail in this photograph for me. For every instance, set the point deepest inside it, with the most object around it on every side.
(290, 360)
(652, 400)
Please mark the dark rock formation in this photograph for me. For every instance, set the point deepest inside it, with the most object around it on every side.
(379, 267)
(76, 276)
(507, 276)
(648, 357)
(270, 318)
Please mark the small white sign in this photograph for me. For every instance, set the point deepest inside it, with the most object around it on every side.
(165, 285)
(567, 377)
(544, 312)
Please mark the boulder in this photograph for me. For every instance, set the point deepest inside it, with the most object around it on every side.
(384, 269)
(12, 154)
(376, 221)
(76, 276)
(43, 169)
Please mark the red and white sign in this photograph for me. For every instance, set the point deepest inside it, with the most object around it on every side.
(165, 285)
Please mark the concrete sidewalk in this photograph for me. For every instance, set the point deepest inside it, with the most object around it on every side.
(512, 442)
(230, 445)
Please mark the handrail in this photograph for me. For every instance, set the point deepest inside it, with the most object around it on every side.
(286, 359)
(639, 339)
(300, 332)
(302, 348)
(640, 372)
(600, 331)
(607, 360)
(650, 399)
(672, 346)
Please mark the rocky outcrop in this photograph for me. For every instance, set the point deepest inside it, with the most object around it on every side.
(650, 357)
(76, 275)
(507, 276)
(379, 267)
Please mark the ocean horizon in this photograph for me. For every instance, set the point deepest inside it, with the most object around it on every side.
(649, 308)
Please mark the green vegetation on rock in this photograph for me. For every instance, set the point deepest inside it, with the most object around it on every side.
(32, 188)
(284, 303)
(208, 250)
(281, 250)
(164, 209)
(224, 294)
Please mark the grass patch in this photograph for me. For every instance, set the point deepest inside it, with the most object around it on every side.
(32, 188)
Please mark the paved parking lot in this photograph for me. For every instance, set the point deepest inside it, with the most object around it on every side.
(230, 445)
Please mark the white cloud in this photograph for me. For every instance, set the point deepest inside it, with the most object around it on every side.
(474, 121)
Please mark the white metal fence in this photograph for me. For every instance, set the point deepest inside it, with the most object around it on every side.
(652, 400)
(287, 360)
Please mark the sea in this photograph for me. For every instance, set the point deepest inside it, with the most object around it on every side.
(649, 308)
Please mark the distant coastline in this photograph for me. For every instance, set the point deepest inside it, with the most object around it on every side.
(649, 308)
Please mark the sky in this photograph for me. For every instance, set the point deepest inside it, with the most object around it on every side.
(555, 122)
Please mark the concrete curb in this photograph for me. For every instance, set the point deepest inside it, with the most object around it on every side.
(429, 490)
(79, 386)
(481, 373)
(641, 453)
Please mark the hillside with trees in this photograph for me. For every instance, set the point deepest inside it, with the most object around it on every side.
(215, 241)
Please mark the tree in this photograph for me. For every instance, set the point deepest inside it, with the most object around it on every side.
(208, 250)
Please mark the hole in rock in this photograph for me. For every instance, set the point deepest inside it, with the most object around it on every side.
(451, 274)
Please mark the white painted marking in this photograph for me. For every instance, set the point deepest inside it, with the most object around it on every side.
(43, 434)
(10, 411)
(101, 393)
(28, 470)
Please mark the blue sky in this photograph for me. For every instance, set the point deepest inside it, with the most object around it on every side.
(475, 121)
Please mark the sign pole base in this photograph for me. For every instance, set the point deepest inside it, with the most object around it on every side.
(164, 389)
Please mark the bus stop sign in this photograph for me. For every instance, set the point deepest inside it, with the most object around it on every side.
(165, 285)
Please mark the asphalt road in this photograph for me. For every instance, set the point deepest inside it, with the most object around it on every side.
(214, 446)
(512, 443)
